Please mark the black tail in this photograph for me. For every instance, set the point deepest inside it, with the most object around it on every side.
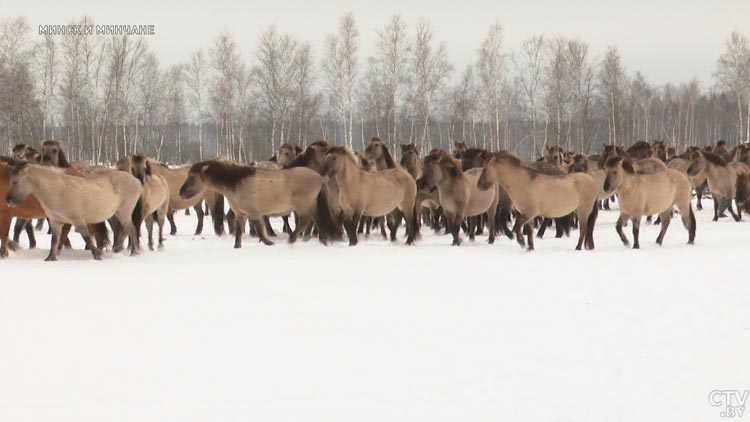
(101, 234)
(137, 218)
(691, 229)
(324, 219)
(217, 214)
(415, 223)
(591, 222)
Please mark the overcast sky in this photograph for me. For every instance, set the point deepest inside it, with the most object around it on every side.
(668, 40)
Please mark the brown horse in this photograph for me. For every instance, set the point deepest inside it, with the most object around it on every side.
(359, 193)
(537, 193)
(410, 160)
(639, 150)
(647, 194)
(253, 194)
(458, 194)
(459, 149)
(697, 181)
(78, 201)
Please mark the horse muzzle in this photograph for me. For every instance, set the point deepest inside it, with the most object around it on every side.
(10, 201)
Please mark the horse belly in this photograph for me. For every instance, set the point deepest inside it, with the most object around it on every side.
(479, 202)
(557, 200)
(271, 198)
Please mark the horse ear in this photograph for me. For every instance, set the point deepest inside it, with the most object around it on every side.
(297, 150)
(628, 166)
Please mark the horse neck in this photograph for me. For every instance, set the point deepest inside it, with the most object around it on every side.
(348, 178)
(507, 171)
(43, 184)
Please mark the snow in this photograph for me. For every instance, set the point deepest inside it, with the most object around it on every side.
(380, 332)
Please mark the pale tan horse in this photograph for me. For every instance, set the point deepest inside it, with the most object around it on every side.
(175, 178)
(286, 153)
(720, 175)
(697, 181)
(458, 193)
(646, 194)
(253, 194)
(78, 201)
(535, 193)
(360, 193)
(155, 196)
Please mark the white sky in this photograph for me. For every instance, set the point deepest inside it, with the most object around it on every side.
(668, 40)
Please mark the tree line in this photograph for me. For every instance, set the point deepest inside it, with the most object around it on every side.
(106, 96)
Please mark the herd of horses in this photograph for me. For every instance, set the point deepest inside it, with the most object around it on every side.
(334, 193)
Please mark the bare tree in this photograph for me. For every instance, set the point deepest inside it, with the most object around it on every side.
(612, 81)
(195, 80)
(390, 61)
(529, 65)
(46, 64)
(733, 74)
(490, 66)
(582, 90)
(224, 59)
(340, 69)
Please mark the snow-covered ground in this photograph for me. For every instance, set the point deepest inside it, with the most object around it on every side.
(381, 332)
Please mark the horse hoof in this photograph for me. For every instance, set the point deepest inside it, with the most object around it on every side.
(151, 247)
(51, 258)
(98, 257)
(636, 247)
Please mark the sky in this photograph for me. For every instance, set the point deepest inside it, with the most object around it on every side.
(668, 40)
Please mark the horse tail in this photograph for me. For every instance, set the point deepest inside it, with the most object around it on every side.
(217, 214)
(415, 223)
(691, 229)
(101, 234)
(323, 218)
(137, 217)
(590, 222)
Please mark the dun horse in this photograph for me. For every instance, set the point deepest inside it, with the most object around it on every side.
(458, 193)
(647, 194)
(77, 201)
(359, 193)
(535, 193)
(254, 193)
(155, 196)
(720, 175)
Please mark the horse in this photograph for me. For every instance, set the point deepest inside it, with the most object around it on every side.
(427, 203)
(645, 194)
(155, 196)
(410, 160)
(286, 153)
(459, 148)
(360, 193)
(78, 201)
(697, 181)
(720, 175)
(254, 193)
(639, 150)
(536, 192)
(458, 194)
(175, 179)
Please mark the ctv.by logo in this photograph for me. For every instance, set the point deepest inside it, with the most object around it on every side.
(732, 402)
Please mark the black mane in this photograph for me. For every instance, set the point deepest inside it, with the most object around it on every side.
(223, 173)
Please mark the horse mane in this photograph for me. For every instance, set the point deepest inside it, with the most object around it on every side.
(8, 160)
(715, 159)
(445, 160)
(345, 151)
(627, 164)
(389, 163)
(514, 160)
(638, 145)
(62, 159)
(304, 158)
(224, 173)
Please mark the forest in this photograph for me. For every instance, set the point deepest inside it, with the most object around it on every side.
(106, 96)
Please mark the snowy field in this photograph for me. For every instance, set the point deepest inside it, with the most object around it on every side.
(381, 332)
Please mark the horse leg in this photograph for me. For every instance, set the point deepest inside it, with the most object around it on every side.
(18, 228)
(350, 225)
(30, 234)
(200, 215)
(160, 224)
(381, 222)
(665, 218)
(530, 236)
(267, 226)
(150, 231)
(56, 228)
(4, 235)
(299, 228)
(239, 227)
(455, 227)
(172, 225)
(543, 227)
(472, 226)
(737, 217)
(517, 229)
(716, 207)
(260, 226)
(89, 239)
(64, 237)
(636, 231)
(394, 221)
(39, 224)
(491, 223)
(618, 227)
(287, 228)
